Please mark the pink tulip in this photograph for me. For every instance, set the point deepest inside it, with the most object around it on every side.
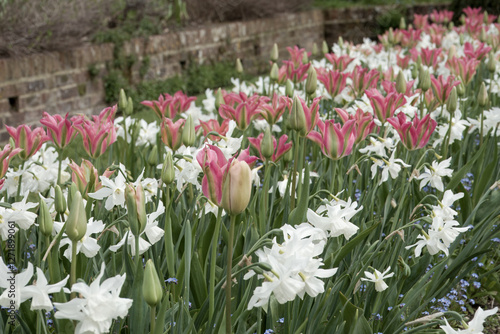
(158, 106)
(242, 111)
(385, 106)
(27, 140)
(390, 86)
(463, 67)
(479, 53)
(213, 126)
(86, 177)
(442, 16)
(363, 123)
(339, 62)
(296, 73)
(416, 134)
(420, 21)
(60, 129)
(430, 57)
(403, 62)
(334, 81)
(170, 105)
(297, 54)
(442, 87)
(5, 155)
(273, 112)
(171, 133)
(363, 79)
(335, 141)
(311, 114)
(279, 150)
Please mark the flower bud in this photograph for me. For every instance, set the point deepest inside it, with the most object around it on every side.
(451, 26)
(341, 42)
(462, 19)
(237, 187)
(153, 156)
(401, 83)
(219, 99)
(266, 146)
(460, 89)
(492, 63)
(76, 225)
(324, 47)
(451, 103)
(311, 81)
(390, 36)
(482, 97)
(425, 80)
(239, 66)
(129, 110)
(452, 52)
(482, 35)
(45, 221)
(151, 286)
(71, 192)
(297, 119)
(274, 75)
(59, 200)
(122, 101)
(315, 50)
(168, 171)
(289, 88)
(188, 132)
(485, 17)
(288, 156)
(402, 23)
(405, 269)
(419, 61)
(305, 58)
(274, 53)
(136, 208)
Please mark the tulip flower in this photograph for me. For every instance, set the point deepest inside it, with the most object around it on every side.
(237, 187)
(171, 133)
(273, 112)
(335, 141)
(363, 79)
(59, 128)
(279, 149)
(442, 87)
(416, 134)
(334, 81)
(442, 16)
(27, 140)
(170, 105)
(479, 53)
(136, 208)
(339, 62)
(463, 67)
(310, 114)
(385, 107)
(363, 123)
(297, 54)
(86, 177)
(5, 155)
(213, 125)
(243, 109)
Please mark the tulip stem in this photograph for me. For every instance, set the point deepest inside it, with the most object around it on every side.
(294, 175)
(265, 197)
(136, 255)
(153, 318)
(228, 275)
(73, 267)
(213, 261)
(59, 168)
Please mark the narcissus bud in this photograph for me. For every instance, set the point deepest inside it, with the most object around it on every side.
(168, 171)
(122, 102)
(324, 47)
(311, 81)
(289, 88)
(151, 286)
(45, 221)
(451, 103)
(189, 132)
(76, 225)
(136, 208)
(297, 119)
(274, 53)
(59, 200)
(401, 83)
(237, 187)
(239, 66)
(266, 146)
(274, 75)
(402, 23)
(153, 156)
(492, 63)
(129, 110)
(482, 97)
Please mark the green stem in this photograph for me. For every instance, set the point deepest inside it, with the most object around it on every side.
(153, 318)
(213, 261)
(228, 275)
(446, 140)
(73, 266)
(136, 255)
(59, 168)
(265, 198)
(169, 243)
(294, 176)
(20, 181)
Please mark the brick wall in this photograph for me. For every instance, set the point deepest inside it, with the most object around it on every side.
(61, 82)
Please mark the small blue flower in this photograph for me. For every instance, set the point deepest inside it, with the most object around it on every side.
(477, 285)
(171, 280)
(281, 320)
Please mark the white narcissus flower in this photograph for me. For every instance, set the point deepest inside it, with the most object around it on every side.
(20, 280)
(475, 326)
(390, 167)
(113, 191)
(20, 214)
(99, 306)
(458, 126)
(435, 173)
(39, 291)
(87, 245)
(379, 147)
(229, 145)
(378, 278)
(444, 209)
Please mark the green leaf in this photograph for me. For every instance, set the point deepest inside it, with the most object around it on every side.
(459, 175)
(353, 243)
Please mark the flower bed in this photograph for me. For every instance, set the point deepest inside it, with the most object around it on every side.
(352, 192)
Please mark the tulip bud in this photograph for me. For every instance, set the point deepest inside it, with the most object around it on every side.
(460, 89)
(419, 61)
(71, 193)
(289, 88)
(401, 83)
(136, 208)
(45, 221)
(275, 53)
(414, 71)
(315, 50)
(122, 101)
(274, 75)
(151, 286)
(451, 26)
(59, 200)
(324, 47)
(297, 119)
(341, 42)
(189, 132)
(266, 146)
(168, 171)
(492, 63)
(288, 156)
(305, 58)
(482, 97)
(461, 39)
(239, 66)
(129, 110)
(153, 156)
(402, 23)
(425, 81)
(390, 36)
(219, 99)
(452, 52)
(485, 17)
(462, 19)
(482, 35)
(311, 81)
(237, 187)
(76, 225)
(451, 103)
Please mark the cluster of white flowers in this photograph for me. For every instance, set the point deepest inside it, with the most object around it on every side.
(18, 213)
(434, 174)
(443, 229)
